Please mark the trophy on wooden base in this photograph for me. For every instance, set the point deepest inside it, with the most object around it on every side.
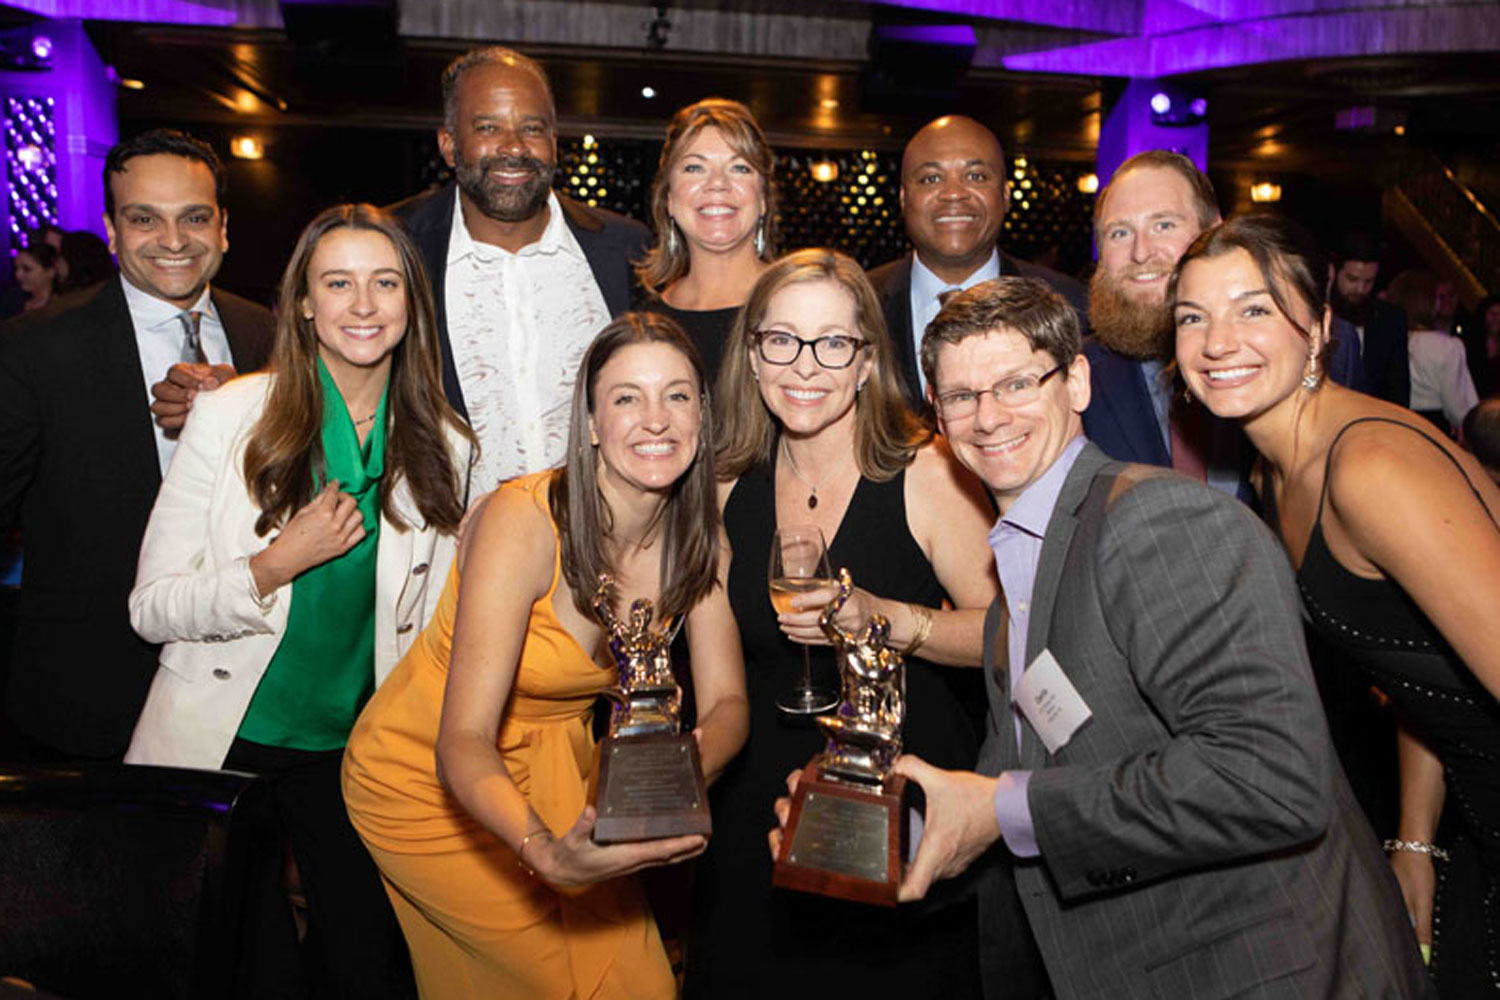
(846, 835)
(650, 782)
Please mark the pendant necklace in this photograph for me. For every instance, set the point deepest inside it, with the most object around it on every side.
(365, 420)
(812, 487)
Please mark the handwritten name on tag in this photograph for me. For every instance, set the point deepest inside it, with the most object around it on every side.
(1050, 702)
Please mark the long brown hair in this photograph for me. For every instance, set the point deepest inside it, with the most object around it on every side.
(667, 260)
(690, 521)
(886, 433)
(285, 451)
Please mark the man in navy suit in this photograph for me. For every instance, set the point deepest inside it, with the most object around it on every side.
(1379, 326)
(80, 458)
(954, 196)
(1153, 207)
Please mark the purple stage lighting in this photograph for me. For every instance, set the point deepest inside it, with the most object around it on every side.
(1161, 103)
(1199, 107)
(41, 47)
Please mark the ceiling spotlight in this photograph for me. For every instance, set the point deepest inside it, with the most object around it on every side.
(648, 92)
(247, 147)
(1199, 107)
(1400, 130)
(1265, 192)
(41, 47)
(828, 104)
(131, 83)
(1088, 183)
(1161, 103)
(824, 171)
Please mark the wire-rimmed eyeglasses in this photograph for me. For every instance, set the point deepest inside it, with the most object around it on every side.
(777, 347)
(1012, 391)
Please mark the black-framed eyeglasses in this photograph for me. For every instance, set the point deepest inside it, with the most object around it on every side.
(1012, 391)
(777, 347)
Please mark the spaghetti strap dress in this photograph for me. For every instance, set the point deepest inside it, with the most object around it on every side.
(478, 923)
(1378, 625)
(748, 939)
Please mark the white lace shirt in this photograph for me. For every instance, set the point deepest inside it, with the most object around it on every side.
(519, 324)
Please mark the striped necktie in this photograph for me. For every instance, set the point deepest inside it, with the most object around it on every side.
(192, 346)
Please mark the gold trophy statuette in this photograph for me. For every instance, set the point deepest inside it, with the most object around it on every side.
(846, 834)
(650, 782)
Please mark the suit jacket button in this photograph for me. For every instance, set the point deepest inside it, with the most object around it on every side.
(221, 673)
(403, 628)
(1127, 875)
(419, 569)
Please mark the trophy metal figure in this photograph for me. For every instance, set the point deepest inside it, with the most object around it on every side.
(650, 778)
(847, 831)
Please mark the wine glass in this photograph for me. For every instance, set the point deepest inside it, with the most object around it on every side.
(799, 565)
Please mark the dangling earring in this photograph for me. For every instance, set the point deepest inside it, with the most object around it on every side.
(1312, 376)
(673, 243)
(1187, 394)
(760, 237)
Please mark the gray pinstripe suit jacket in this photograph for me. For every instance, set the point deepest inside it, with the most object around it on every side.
(1198, 839)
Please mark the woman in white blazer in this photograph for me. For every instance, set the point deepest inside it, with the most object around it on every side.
(297, 547)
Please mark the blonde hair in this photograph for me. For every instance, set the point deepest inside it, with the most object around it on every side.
(886, 433)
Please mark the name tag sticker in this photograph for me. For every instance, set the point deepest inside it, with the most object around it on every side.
(1050, 702)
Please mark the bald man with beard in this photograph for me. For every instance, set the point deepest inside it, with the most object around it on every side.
(954, 196)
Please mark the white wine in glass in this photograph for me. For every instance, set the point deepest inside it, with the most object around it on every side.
(799, 565)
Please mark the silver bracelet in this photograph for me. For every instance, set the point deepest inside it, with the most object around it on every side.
(1415, 847)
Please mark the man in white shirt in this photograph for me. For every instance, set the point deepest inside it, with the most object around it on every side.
(954, 196)
(523, 277)
(80, 457)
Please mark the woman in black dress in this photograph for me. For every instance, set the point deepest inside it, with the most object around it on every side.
(1392, 530)
(816, 434)
(713, 206)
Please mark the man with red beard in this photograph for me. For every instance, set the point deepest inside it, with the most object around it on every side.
(1154, 206)
(522, 277)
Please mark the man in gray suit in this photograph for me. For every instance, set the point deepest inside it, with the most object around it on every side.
(1159, 773)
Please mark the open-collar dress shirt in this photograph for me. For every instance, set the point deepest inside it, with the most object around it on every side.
(518, 324)
(1016, 539)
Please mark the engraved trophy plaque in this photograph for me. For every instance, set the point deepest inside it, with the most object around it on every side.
(846, 834)
(650, 781)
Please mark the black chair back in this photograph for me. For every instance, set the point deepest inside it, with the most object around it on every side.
(117, 880)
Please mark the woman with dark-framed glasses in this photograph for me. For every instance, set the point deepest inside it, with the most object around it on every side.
(815, 433)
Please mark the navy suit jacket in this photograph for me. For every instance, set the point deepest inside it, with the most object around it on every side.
(79, 473)
(1121, 419)
(892, 283)
(1387, 368)
(610, 242)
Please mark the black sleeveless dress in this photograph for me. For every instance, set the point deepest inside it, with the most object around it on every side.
(1380, 627)
(748, 939)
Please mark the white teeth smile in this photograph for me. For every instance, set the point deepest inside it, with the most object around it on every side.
(716, 210)
(999, 447)
(362, 332)
(173, 261)
(955, 218)
(658, 448)
(807, 395)
(1226, 374)
(1147, 276)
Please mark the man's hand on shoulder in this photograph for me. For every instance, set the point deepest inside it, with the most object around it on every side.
(173, 395)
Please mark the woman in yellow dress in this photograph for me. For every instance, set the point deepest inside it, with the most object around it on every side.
(466, 774)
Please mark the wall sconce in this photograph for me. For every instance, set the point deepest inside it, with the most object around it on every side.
(1265, 192)
(1088, 183)
(247, 147)
(824, 171)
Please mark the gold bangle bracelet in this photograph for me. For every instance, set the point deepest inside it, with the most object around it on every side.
(922, 630)
(521, 850)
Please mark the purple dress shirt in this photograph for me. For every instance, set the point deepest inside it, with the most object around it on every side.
(1016, 540)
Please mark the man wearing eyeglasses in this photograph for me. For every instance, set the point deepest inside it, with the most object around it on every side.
(1158, 776)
